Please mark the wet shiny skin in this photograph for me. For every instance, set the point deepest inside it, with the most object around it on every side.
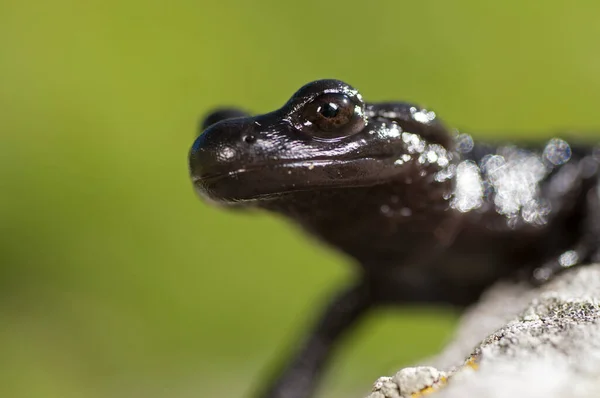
(428, 214)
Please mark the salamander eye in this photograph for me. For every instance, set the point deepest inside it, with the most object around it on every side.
(331, 116)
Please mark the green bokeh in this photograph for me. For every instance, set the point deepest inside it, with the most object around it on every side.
(117, 281)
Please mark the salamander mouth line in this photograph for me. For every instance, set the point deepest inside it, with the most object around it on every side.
(306, 164)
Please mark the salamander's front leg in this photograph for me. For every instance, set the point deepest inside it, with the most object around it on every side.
(301, 376)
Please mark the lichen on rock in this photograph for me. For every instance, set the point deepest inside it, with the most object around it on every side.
(533, 342)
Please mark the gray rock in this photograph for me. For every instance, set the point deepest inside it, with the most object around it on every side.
(518, 341)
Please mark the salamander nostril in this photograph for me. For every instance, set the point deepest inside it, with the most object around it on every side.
(249, 138)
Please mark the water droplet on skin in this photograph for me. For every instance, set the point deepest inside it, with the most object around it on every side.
(227, 153)
(515, 175)
(464, 143)
(446, 173)
(536, 212)
(414, 143)
(557, 151)
(541, 274)
(432, 157)
(468, 193)
(422, 115)
(385, 210)
(568, 259)
(491, 163)
(405, 212)
(394, 131)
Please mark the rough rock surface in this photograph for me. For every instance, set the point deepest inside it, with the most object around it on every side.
(518, 341)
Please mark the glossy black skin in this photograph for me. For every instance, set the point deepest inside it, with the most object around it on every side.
(387, 193)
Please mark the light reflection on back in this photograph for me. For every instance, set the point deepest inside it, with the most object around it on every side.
(520, 184)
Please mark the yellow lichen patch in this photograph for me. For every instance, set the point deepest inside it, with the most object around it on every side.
(472, 362)
(428, 390)
(423, 392)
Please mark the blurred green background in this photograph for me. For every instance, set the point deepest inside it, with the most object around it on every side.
(117, 281)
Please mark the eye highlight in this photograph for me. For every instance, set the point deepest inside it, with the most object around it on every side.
(329, 110)
(331, 116)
